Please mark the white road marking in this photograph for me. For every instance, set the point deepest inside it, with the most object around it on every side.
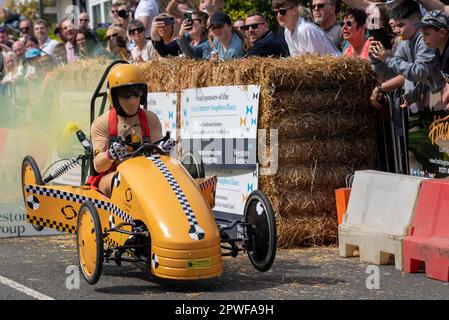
(23, 289)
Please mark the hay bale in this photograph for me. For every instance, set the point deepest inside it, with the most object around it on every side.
(307, 177)
(316, 101)
(324, 124)
(306, 231)
(333, 151)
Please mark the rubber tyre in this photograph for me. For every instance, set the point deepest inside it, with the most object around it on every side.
(191, 160)
(262, 233)
(89, 243)
(34, 177)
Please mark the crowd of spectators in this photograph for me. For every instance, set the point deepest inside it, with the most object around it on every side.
(406, 41)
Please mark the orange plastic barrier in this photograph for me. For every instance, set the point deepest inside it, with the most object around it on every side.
(428, 236)
(342, 200)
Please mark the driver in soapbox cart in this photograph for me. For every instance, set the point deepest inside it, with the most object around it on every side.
(119, 132)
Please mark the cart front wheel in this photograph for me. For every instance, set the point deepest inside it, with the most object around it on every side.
(89, 240)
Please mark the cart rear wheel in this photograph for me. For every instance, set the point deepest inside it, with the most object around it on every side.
(30, 175)
(260, 231)
(89, 241)
(191, 160)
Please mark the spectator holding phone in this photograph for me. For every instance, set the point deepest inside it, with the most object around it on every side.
(193, 36)
(412, 59)
(144, 49)
(163, 36)
(435, 31)
(354, 31)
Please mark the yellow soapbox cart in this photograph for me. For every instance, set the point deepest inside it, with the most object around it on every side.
(159, 213)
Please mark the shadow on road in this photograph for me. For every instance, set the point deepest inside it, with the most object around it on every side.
(236, 276)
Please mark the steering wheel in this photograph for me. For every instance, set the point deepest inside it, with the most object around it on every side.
(147, 149)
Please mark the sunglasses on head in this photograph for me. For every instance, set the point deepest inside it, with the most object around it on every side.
(132, 90)
(348, 23)
(253, 26)
(282, 12)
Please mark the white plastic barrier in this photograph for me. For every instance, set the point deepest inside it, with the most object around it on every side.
(380, 210)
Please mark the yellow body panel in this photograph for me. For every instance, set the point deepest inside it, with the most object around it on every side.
(157, 191)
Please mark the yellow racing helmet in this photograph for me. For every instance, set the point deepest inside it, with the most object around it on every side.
(124, 80)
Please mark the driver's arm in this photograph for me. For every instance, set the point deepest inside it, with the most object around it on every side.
(100, 144)
(155, 126)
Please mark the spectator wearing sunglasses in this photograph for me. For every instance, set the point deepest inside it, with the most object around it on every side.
(116, 43)
(193, 36)
(144, 49)
(354, 31)
(25, 28)
(324, 14)
(301, 36)
(264, 42)
(46, 44)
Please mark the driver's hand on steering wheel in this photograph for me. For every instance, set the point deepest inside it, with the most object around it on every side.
(117, 151)
(167, 146)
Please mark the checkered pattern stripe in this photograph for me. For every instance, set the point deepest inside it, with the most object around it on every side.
(72, 197)
(195, 231)
(51, 224)
(209, 182)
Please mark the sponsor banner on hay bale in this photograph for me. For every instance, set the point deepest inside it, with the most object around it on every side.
(220, 124)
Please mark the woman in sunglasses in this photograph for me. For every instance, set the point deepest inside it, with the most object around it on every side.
(144, 49)
(116, 39)
(193, 36)
(354, 31)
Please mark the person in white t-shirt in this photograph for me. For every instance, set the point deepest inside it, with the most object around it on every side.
(46, 44)
(301, 36)
(144, 49)
(146, 11)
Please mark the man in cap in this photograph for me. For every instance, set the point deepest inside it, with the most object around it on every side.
(301, 36)
(435, 30)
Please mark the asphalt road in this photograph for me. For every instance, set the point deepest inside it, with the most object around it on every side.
(39, 265)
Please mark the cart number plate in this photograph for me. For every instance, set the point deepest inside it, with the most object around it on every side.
(198, 264)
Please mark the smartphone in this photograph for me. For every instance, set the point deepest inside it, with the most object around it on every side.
(188, 15)
(381, 35)
(168, 21)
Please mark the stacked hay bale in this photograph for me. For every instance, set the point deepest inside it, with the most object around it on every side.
(326, 128)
